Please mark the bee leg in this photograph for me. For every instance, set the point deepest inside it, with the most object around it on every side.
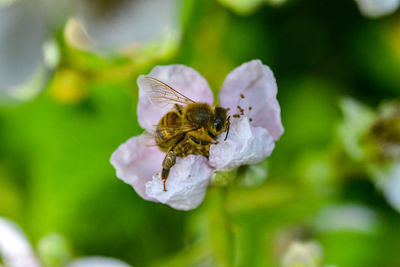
(167, 164)
(169, 161)
(164, 176)
(202, 142)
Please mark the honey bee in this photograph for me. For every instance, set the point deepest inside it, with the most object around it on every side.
(190, 128)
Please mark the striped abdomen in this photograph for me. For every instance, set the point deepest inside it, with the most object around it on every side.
(165, 134)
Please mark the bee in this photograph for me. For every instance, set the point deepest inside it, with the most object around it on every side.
(190, 128)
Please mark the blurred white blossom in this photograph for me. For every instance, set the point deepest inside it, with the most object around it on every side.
(347, 217)
(26, 49)
(377, 8)
(15, 249)
(26, 27)
(97, 261)
(119, 25)
(372, 139)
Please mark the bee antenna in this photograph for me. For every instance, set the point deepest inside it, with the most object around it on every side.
(228, 124)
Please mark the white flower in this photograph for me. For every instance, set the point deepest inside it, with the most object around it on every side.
(371, 138)
(250, 140)
(24, 49)
(377, 8)
(15, 249)
(117, 25)
(27, 26)
(97, 261)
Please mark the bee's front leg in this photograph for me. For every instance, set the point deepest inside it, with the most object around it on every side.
(202, 142)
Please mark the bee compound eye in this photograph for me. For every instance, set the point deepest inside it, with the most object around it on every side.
(218, 125)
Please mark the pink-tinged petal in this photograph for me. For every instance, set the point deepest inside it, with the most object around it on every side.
(136, 161)
(183, 79)
(245, 145)
(186, 185)
(257, 83)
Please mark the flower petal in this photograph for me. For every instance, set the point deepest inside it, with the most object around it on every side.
(257, 83)
(15, 249)
(184, 79)
(136, 162)
(186, 184)
(391, 187)
(120, 24)
(23, 30)
(377, 8)
(245, 145)
(97, 261)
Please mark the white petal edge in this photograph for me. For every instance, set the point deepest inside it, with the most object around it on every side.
(257, 83)
(97, 261)
(245, 145)
(136, 161)
(186, 185)
(183, 79)
(377, 8)
(15, 249)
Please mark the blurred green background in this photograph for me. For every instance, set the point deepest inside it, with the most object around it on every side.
(55, 174)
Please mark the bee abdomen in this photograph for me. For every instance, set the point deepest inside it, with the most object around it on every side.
(165, 130)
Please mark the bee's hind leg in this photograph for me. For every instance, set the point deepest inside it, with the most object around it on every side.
(167, 164)
(169, 161)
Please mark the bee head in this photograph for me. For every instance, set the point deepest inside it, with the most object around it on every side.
(219, 120)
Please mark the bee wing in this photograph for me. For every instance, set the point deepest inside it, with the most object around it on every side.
(160, 92)
(176, 131)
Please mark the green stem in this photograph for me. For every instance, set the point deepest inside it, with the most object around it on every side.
(220, 227)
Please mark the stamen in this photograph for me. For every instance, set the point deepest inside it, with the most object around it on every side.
(248, 114)
(236, 115)
(240, 110)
